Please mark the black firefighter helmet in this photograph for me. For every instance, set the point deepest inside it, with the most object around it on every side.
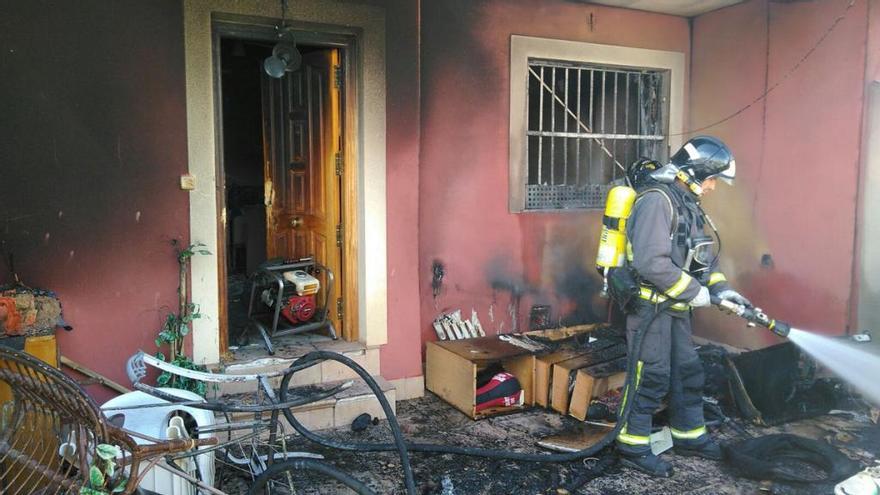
(639, 173)
(705, 157)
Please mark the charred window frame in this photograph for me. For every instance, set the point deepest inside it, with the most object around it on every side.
(586, 124)
(581, 113)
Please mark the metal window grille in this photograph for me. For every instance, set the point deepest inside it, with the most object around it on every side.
(586, 124)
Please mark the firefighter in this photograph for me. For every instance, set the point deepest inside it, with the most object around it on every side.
(674, 260)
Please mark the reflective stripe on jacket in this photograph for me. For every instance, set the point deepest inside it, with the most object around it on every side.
(655, 255)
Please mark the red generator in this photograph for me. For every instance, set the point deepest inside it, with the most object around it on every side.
(287, 297)
(300, 307)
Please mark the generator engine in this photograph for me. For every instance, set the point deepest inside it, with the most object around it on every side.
(300, 307)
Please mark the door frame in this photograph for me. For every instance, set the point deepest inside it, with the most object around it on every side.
(366, 218)
(304, 34)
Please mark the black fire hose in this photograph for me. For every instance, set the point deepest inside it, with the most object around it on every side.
(399, 443)
(311, 465)
(402, 447)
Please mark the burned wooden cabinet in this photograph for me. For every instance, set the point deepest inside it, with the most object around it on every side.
(452, 367)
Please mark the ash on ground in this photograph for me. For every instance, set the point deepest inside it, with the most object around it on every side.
(430, 420)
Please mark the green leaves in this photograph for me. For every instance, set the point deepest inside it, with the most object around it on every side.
(190, 251)
(166, 379)
(108, 452)
(96, 477)
(120, 487)
(177, 326)
(163, 379)
(166, 337)
(94, 474)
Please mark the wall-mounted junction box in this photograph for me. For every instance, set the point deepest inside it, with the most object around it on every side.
(187, 182)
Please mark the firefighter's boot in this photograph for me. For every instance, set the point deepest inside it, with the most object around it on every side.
(647, 463)
(703, 447)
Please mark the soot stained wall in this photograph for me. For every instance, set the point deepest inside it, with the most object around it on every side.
(797, 156)
(400, 357)
(496, 262)
(92, 142)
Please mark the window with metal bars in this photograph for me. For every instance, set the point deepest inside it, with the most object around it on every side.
(585, 124)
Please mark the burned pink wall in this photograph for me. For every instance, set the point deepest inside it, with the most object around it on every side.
(496, 262)
(789, 223)
(92, 142)
(400, 357)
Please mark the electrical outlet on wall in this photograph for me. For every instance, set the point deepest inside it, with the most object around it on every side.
(187, 182)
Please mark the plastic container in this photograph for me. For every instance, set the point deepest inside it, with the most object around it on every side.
(154, 422)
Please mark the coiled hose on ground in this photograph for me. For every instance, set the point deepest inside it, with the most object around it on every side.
(404, 448)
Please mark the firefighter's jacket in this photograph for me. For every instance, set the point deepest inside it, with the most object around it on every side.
(661, 221)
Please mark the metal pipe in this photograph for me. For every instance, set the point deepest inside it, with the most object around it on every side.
(614, 127)
(577, 169)
(540, 126)
(601, 136)
(553, 130)
(565, 140)
(103, 380)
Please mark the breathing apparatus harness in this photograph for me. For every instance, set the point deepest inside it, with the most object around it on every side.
(622, 283)
(620, 280)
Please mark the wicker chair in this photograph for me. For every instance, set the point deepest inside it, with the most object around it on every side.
(50, 431)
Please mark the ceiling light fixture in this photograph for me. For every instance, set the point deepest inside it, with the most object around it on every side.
(285, 57)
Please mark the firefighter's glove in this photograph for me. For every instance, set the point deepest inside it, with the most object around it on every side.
(735, 297)
(701, 299)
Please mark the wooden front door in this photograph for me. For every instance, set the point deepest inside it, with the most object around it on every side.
(302, 143)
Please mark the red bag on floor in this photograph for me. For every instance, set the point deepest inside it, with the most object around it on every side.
(502, 390)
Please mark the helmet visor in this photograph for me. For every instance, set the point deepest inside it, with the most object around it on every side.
(728, 175)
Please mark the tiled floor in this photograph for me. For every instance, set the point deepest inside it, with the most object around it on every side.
(289, 346)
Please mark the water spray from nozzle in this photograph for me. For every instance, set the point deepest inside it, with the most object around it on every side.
(859, 367)
(754, 316)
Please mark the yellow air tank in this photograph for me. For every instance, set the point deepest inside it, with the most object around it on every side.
(612, 241)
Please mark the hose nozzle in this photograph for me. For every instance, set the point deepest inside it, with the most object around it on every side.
(753, 315)
(780, 328)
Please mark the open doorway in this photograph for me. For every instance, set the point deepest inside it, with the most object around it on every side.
(283, 185)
